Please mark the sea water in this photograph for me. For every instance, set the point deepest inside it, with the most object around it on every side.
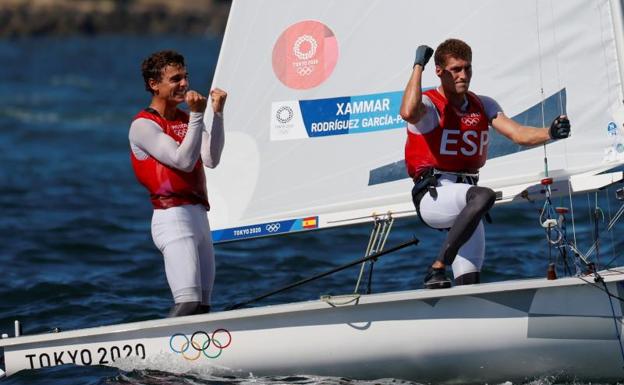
(75, 243)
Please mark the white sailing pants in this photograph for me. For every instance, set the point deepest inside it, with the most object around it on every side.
(182, 234)
(442, 212)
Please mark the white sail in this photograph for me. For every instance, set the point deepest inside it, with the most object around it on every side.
(313, 133)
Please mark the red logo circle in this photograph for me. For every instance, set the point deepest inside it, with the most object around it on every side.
(305, 54)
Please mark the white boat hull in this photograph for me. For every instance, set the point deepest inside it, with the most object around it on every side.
(482, 333)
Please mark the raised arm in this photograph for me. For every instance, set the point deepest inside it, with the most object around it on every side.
(412, 108)
(213, 140)
(147, 137)
(531, 136)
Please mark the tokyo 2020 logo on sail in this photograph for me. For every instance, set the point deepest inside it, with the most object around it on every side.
(284, 114)
(200, 343)
(305, 54)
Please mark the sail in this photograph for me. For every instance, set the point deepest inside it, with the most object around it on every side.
(313, 133)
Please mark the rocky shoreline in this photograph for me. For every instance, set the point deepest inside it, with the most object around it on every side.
(31, 18)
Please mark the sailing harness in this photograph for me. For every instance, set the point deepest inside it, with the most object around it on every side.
(427, 182)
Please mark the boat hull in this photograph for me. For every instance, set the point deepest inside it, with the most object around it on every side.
(483, 333)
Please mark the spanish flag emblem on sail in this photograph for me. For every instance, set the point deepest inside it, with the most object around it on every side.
(309, 222)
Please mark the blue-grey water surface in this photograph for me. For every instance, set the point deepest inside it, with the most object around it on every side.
(75, 244)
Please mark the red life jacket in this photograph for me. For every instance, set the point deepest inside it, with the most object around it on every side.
(169, 187)
(459, 143)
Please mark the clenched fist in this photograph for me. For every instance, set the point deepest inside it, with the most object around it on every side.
(560, 128)
(196, 101)
(423, 54)
(218, 97)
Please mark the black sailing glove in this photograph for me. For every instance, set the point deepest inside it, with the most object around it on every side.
(423, 54)
(560, 128)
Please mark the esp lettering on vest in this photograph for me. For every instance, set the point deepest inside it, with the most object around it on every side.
(468, 143)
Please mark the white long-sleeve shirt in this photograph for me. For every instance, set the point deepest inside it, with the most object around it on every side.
(147, 138)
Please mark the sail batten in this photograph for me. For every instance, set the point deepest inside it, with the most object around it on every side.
(314, 138)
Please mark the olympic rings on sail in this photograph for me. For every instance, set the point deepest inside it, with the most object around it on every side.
(200, 343)
(304, 71)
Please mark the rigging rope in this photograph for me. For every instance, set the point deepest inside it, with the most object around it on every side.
(597, 214)
(547, 215)
(614, 219)
(541, 82)
(610, 221)
(615, 322)
(562, 109)
(605, 288)
(572, 211)
(594, 216)
(413, 241)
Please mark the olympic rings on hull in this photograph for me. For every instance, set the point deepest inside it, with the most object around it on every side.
(272, 227)
(200, 343)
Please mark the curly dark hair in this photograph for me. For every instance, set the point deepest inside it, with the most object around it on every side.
(154, 64)
(453, 48)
